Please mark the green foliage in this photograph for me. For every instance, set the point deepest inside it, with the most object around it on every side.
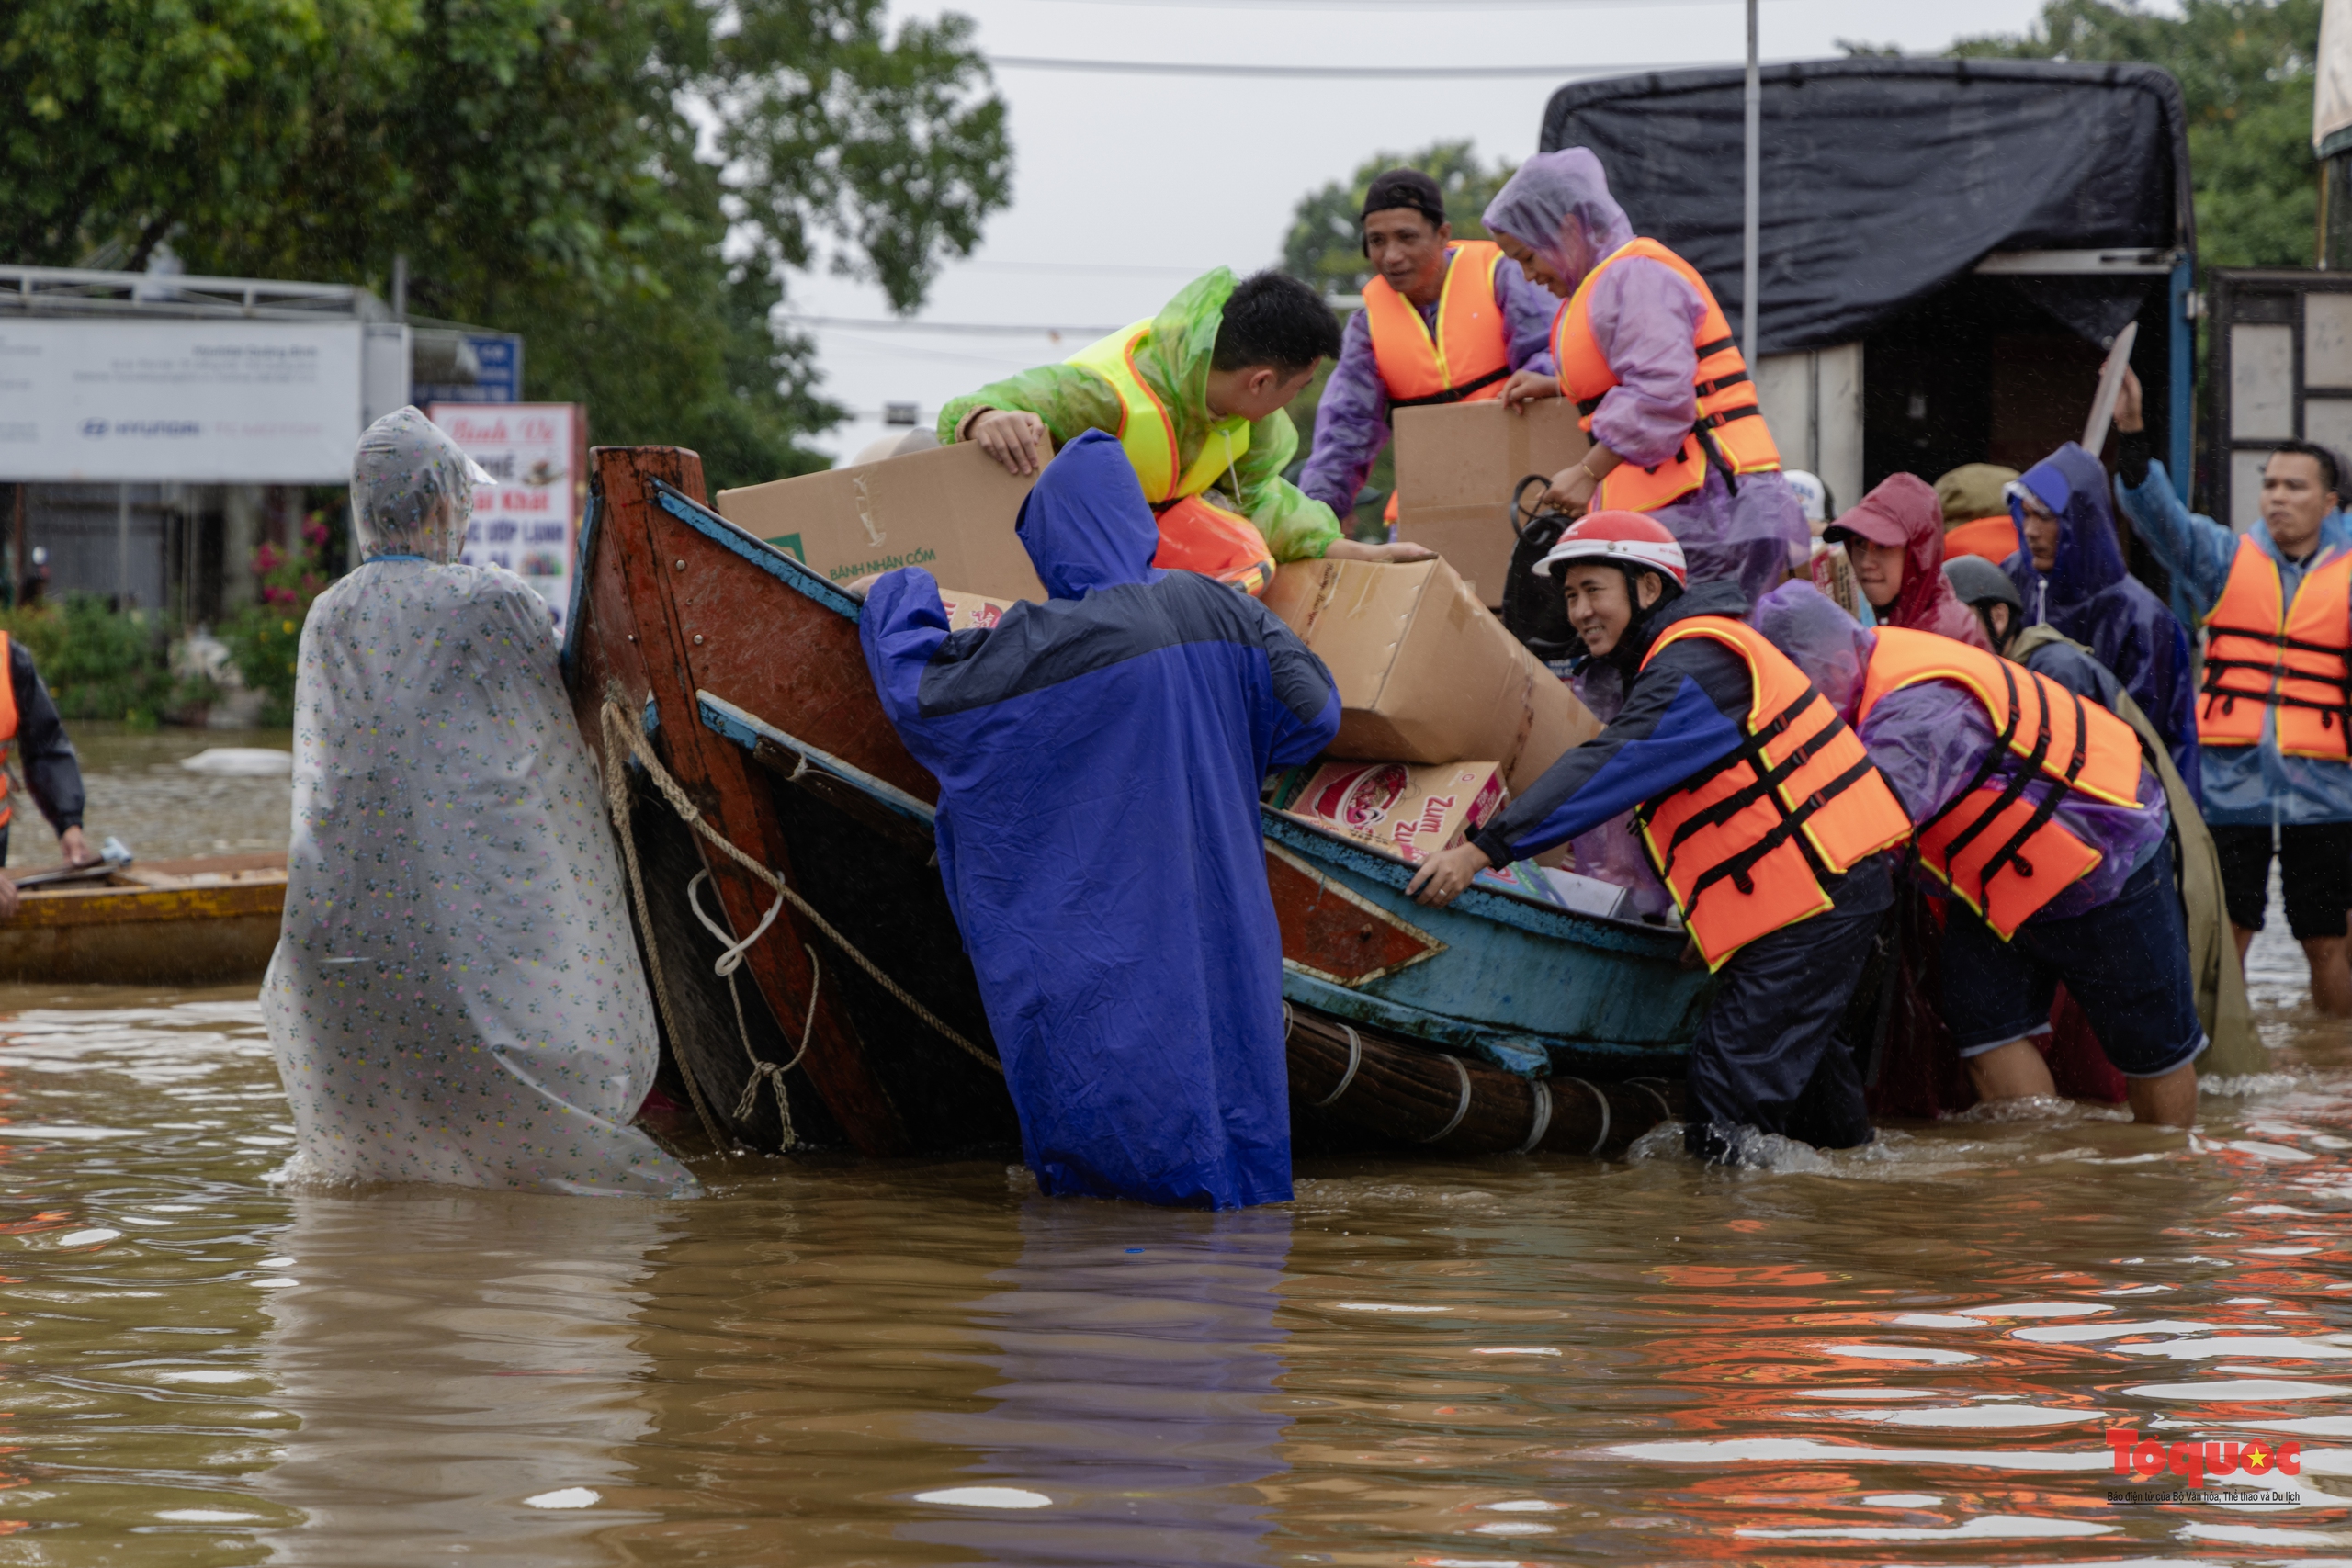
(537, 163)
(2245, 72)
(97, 662)
(1324, 244)
(264, 637)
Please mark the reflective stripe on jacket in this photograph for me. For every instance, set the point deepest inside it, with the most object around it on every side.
(2266, 651)
(2000, 853)
(1729, 431)
(1465, 357)
(1745, 844)
(1196, 536)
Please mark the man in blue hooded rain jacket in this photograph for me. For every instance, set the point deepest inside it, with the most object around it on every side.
(2258, 800)
(1099, 759)
(2070, 575)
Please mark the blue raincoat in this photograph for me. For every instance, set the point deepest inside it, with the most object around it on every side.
(2089, 595)
(1099, 758)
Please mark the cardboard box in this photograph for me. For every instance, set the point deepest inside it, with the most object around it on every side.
(950, 511)
(1410, 812)
(965, 611)
(1426, 674)
(1457, 464)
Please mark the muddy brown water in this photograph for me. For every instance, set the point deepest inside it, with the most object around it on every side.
(1911, 1354)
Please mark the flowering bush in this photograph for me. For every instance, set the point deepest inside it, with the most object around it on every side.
(98, 662)
(263, 638)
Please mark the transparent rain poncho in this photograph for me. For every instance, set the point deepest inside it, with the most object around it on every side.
(457, 996)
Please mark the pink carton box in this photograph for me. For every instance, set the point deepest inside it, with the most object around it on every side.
(1402, 809)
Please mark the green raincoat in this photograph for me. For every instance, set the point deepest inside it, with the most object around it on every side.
(2222, 1004)
(1173, 360)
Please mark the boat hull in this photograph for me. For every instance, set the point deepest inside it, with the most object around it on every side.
(190, 922)
(741, 670)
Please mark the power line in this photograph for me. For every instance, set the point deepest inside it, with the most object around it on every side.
(981, 329)
(1332, 73)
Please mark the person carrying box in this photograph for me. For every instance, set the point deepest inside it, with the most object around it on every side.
(1195, 397)
(1444, 321)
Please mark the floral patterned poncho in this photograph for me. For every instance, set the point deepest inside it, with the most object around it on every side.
(456, 996)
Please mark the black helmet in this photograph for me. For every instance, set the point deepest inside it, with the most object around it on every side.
(1979, 582)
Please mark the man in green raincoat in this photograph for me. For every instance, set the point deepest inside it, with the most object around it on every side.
(1196, 396)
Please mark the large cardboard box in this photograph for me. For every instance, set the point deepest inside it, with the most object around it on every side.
(1426, 674)
(1456, 464)
(1399, 809)
(950, 511)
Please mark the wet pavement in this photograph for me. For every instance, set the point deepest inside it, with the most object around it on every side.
(1909, 1354)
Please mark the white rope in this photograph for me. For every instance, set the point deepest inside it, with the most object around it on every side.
(616, 801)
(726, 964)
(1543, 1120)
(1462, 1106)
(620, 730)
(1355, 1060)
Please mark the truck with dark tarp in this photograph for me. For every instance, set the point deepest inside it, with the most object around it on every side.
(1947, 247)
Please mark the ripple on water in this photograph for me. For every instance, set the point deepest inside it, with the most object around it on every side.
(919, 1362)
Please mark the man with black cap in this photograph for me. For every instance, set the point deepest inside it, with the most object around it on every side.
(1443, 321)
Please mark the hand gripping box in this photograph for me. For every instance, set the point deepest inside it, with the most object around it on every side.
(1426, 674)
(950, 510)
(1457, 466)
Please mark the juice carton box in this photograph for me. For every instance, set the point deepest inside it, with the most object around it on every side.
(1402, 809)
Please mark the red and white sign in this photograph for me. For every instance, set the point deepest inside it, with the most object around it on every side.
(529, 520)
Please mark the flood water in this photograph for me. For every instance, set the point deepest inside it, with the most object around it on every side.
(1907, 1355)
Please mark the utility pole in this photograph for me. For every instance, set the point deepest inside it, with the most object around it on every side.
(1755, 199)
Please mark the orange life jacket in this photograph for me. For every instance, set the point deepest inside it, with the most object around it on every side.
(1999, 854)
(7, 728)
(1743, 845)
(1729, 429)
(1466, 357)
(2263, 652)
(1995, 538)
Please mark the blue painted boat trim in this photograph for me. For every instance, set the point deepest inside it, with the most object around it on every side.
(1529, 1056)
(747, 730)
(1492, 904)
(782, 565)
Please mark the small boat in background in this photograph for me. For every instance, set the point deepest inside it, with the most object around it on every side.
(207, 921)
(721, 685)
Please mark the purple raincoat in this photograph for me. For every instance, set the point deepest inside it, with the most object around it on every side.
(1646, 316)
(2089, 595)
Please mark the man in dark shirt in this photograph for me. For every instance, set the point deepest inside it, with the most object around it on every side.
(52, 770)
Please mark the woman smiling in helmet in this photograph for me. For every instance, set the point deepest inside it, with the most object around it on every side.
(1757, 805)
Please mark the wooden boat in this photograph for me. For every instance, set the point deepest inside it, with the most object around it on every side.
(209, 921)
(702, 656)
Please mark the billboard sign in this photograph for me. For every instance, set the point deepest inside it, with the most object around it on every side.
(245, 403)
(528, 522)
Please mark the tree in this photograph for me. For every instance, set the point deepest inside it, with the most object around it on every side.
(2245, 69)
(622, 181)
(1324, 244)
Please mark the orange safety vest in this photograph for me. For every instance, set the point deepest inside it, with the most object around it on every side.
(1467, 358)
(2264, 652)
(1993, 538)
(2000, 854)
(1746, 843)
(1729, 429)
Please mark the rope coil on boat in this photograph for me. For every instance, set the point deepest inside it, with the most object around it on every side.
(1462, 1106)
(1602, 1097)
(616, 725)
(1540, 1123)
(1355, 1060)
(725, 966)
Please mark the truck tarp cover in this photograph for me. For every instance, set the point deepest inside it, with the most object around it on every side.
(1885, 179)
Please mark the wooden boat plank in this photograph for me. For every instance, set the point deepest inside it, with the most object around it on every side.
(670, 591)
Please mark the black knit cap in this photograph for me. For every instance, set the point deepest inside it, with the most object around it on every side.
(1404, 187)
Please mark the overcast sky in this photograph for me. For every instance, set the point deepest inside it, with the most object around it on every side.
(1126, 186)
